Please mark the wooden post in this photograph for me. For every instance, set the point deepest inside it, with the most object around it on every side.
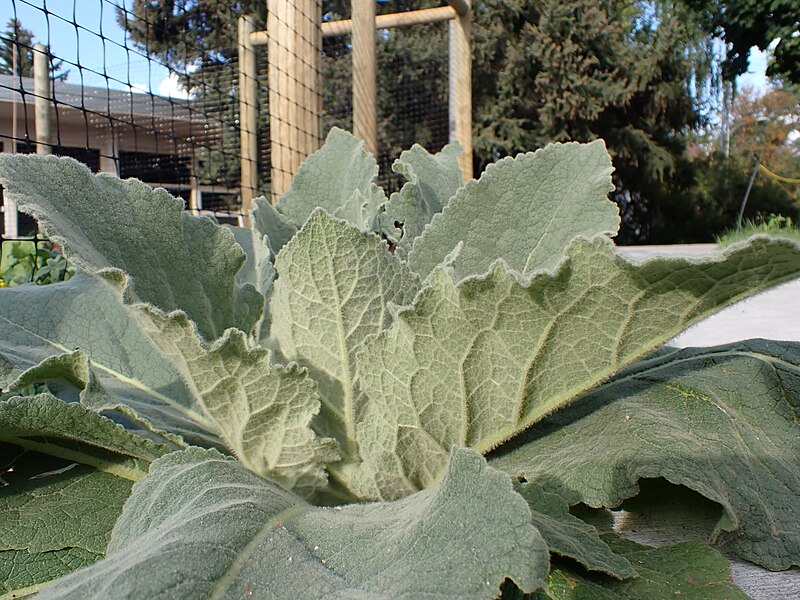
(248, 113)
(461, 85)
(294, 55)
(10, 215)
(42, 106)
(108, 155)
(365, 90)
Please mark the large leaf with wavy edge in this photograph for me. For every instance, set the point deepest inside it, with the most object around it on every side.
(262, 411)
(339, 178)
(689, 571)
(80, 331)
(432, 179)
(722, 421)
(159, 371)
(334, 288)
(67, 472)
(569, 536)
(475, 364)
(524, 210)
(174, 260)
(200, 526)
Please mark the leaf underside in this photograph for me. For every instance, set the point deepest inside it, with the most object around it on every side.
(476, 363)
(156, 370)
(335, 286)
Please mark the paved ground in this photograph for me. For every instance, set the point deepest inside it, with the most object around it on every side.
(775, 314)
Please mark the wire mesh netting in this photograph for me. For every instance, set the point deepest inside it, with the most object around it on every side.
(151, 89)
(412, 73)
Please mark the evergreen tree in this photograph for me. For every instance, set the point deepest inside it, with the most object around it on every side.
(17, 39)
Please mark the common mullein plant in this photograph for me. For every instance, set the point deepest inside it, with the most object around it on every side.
(372, 397)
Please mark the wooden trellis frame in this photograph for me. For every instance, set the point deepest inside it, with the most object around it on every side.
(294, 38)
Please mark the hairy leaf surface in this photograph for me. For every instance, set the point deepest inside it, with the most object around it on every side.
(257, 271)
(271, 224)
(475, 364)
(173, 259)
(66, 472)
(200, 526)
(569, 536)
(339, 178)
(334, 288)
(262, 411)
(159, 371)
(432, 179)
(524, 210)
(724, 422)
(80, 331)
(689, 570)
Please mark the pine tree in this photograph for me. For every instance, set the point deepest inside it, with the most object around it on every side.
(17, 39)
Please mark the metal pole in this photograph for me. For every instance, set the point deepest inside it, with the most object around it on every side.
(365, 87)
(43, 92)
(747, 194)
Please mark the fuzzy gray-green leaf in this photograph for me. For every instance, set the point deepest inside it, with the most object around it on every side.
(157, 370)
(689, 571)
(723, 421)
(475, 364)
(261, 410)
(200, 526)
(525, 211)
(432, 179)
(173, 259)
(103, 351)
(569, 536)
(339, 178)
(334, 288)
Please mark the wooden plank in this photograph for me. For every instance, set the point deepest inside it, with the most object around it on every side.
(461, 90)
(42, 105)
(248, 113)
(390, 21)
(365, 89)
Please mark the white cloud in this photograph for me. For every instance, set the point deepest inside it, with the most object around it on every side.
(170, 87)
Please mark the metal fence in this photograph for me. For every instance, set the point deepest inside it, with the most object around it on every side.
(156, 90)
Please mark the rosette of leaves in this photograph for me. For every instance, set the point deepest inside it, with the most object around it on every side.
(305, 409)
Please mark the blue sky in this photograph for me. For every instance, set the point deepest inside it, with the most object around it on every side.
(84, 44)
(127, 67)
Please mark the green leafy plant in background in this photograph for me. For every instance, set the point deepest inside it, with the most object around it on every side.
(23, 261)
(776, 225)
(372, 397)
